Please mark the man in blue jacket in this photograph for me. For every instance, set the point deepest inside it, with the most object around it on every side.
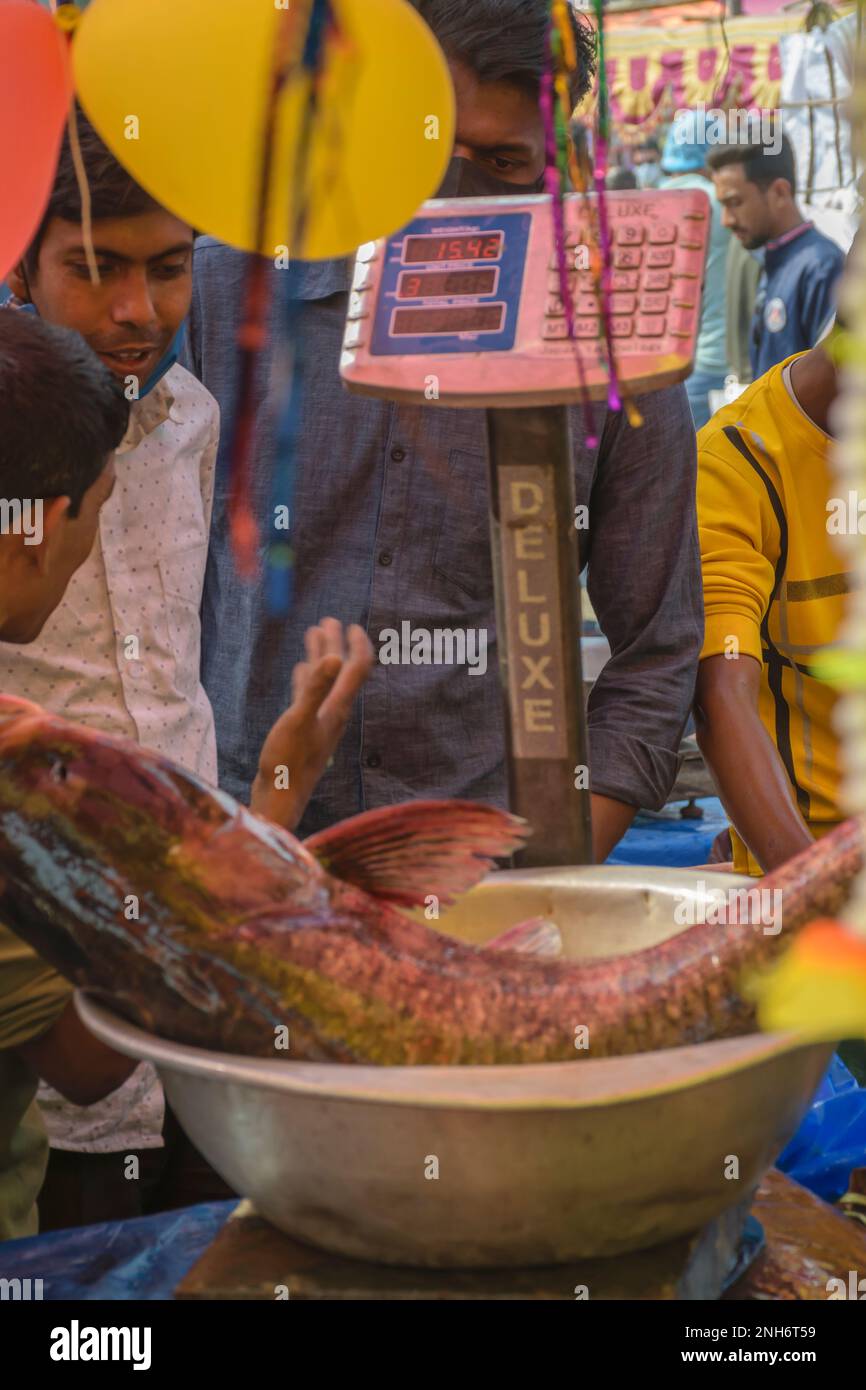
(756, 186)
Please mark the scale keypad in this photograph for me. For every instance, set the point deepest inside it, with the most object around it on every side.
(654, 288)
(468, 297)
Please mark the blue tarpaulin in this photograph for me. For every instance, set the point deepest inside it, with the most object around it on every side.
(671, 839)
(832, 1138)
(145, 1258)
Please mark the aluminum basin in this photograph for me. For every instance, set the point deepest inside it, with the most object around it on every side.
(507, 1165)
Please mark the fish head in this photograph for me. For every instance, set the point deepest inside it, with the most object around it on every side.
(85, 820)
(69, 777)
(126, 872)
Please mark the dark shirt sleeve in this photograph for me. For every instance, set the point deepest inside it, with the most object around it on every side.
(644, 580)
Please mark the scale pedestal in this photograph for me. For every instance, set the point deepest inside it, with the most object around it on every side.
(536, 570)
(250, 1259)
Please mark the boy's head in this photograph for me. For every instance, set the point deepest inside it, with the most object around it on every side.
(646, 152)
(646, 160)
(756, 185)
(143, 253)
(62, 415)
(497, 51)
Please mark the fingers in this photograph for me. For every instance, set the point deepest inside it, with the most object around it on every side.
(315, 686)
(335, 669)
(300, 675)
(332, 636)
(325, 639)
(314, 642)
(356, 668)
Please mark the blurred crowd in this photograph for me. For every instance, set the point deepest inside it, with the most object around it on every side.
(771, 272)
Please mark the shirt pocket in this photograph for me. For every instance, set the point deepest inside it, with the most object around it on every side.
(462, 553)
(182, 576)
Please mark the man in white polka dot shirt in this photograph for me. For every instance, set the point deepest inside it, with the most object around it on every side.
(122, 650)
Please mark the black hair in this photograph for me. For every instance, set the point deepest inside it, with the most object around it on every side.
(648, 145)
(761, 164)
(113, 192)
(621, 178)
(62, 413)
(507, 40)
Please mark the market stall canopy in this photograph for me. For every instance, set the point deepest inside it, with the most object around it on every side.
(662, 16)
(660, 60)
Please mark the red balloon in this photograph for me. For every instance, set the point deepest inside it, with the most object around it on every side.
(35, 93)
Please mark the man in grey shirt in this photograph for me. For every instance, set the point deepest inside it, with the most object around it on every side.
(389, 515)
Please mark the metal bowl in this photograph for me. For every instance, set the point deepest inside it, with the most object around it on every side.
(503, 1165)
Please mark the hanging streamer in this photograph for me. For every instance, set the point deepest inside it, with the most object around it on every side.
(554, 184)
(252, 335)
(286, 388)
(614, 399)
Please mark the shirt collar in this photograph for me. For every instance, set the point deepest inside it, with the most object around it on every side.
(788, 237)
(319, 279)
(147, 414)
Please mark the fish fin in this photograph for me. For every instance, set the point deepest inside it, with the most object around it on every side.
(408, 853)
(536, 937)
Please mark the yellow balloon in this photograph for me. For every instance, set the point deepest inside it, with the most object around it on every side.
(178, 92)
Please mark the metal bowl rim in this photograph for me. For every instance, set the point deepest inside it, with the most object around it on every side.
(535, 1086)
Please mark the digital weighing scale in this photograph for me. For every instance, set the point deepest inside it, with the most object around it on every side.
(463, 308)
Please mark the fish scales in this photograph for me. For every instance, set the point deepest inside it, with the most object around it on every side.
(240, 930)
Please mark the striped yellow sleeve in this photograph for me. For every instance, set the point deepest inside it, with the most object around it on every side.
(739, 538)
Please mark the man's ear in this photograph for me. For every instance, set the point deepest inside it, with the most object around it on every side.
(783, 190)
(18, 283)
(55, 511)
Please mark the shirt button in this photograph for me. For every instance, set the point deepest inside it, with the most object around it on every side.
(386, 557)
(374, 760)
(136, 670)
(398, 455)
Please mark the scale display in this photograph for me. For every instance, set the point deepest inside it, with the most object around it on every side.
(466, 307)
(450, 283)
(450, 318)
(465, 286)
(448, 248)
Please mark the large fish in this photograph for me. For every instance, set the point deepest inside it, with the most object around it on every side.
(210, 926)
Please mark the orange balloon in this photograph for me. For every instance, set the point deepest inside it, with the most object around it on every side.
(35, 92)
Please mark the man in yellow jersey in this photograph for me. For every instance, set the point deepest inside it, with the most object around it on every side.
(774, 597)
